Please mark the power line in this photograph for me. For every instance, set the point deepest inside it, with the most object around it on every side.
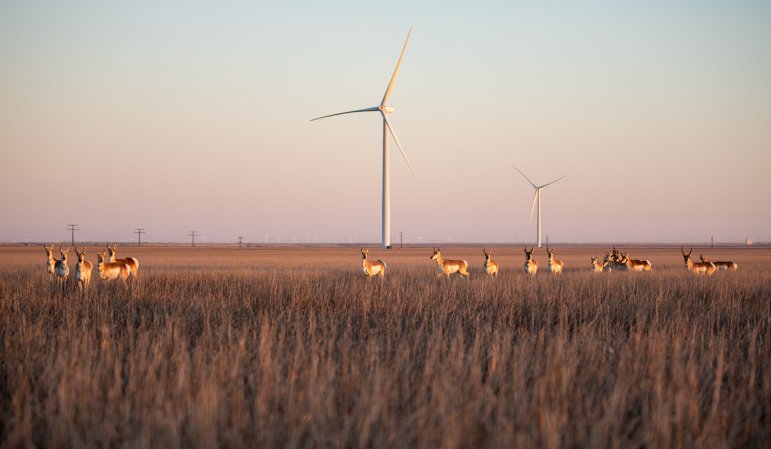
(192, 234)
(73, 228)
(139, 232)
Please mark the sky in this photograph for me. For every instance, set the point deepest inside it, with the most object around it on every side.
(185, 115)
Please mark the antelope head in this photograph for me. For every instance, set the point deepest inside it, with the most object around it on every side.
(112, 251)
(686, 257)
(528, 254)
(64, 253)
(49, 251)
(488, 253)
(100, 257)
(364, 252)
(436, 254)
(703, 259)
(81, 254)
(550, 253)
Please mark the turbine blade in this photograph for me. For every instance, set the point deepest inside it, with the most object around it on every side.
(398, 144)
(374, 108)
(396, 71)
(532, 208)
(551, 182)
(528, 179)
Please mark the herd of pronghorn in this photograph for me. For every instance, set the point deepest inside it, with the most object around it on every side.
(109, 270)
(614, 260)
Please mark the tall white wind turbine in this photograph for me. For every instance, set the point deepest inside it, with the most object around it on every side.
(536, 199)
(385, 109)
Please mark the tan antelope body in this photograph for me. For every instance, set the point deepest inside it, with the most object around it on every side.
(490, 266)
(617, 261)
(555, 266)
(132, 262)
(706, 268)
(636, 265)
(598, 267)
(531, 265)
(112, 270)
(83, 270)
(61, 268)
(51, 262)
(721, 264)
(372, 268)
(448, 267)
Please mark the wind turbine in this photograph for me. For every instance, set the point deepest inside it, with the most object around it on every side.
(385, 109)
(536, 199)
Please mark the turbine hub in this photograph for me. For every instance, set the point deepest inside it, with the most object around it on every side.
(387, 109)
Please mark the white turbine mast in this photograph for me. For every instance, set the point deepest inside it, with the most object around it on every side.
(536, 200)
(386, 109)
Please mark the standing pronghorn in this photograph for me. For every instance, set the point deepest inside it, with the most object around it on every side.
(531, 266)
(721, 264)
(555, 266)
(132, 262)
(598, 267)
(707, 268)
(83, 270)
(51, 262)
(112, 270)
(375, 268)
(636, 265)
(62, 269)
(490, 266)
(448, 267)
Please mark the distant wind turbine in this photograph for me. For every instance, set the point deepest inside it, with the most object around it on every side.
(536, 199)
(385, 109)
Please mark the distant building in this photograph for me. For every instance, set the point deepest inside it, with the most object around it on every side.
(748, 242)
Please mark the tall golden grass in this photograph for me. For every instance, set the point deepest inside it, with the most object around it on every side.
(261, 354)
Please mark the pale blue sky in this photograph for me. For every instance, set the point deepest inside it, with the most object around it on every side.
(186, 115)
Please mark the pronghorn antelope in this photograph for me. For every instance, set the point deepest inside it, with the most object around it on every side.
(83, 270)
(374, 268)
(555, 266)
(61, 268)
(707, 268)
(448, 267)
(721, 264)
(531, 266)
(490, 266)
(112, 270)
(607, 262)
(132, 262)
(617, 260)
(636, 265)
(51, 263)
(598, 267)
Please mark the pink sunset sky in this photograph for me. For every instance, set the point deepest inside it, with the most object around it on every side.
(178, 116)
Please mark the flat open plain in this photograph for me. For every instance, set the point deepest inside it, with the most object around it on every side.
(293, 347)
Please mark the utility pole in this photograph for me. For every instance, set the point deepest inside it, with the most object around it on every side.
(139, 232)
(240, 242)
(712, 241)
(192, 234)
(73, 228)
(401, 239)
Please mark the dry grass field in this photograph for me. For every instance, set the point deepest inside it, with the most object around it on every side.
(293, 347)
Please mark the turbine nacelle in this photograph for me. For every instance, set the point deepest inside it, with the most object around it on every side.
(386, 108)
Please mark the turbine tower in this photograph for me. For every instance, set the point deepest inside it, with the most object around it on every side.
(385, 109)
(536, 199)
